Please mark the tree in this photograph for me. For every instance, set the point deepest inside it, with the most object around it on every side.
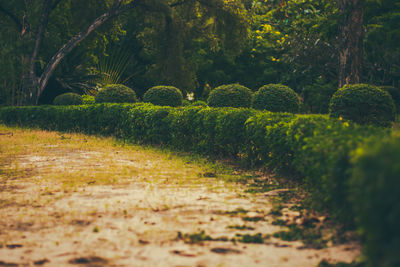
(350, 41)
(177, 19)
(34, 84)
(381, 49)
(173, 50)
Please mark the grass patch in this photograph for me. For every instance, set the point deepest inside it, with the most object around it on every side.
(276, 210)
(252, 219)
(261, 185)
(240, 227)
(90, 160)
(279, 222)
(235, 212)
(253, 239)
(200, 237)
(310, 236)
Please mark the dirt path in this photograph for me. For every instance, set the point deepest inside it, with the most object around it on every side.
(72, 200)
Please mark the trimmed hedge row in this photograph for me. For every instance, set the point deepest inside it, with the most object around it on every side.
(376, 198)
(317, 148)
(363, 104)
(68, 99)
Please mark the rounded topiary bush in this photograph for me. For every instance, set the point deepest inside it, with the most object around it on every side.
(363, 104)
(88, 99)
(164, 96)
(116, 93)
(375, 187)
(395, 94)
(230, 95)
(199, 103)
(276, 98)
(68, 99)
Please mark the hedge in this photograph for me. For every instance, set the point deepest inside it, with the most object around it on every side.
(163, 95)
(68, 99)
(315, 148)
(363, 104)
(375, 194)
(88, 99)
(116, 93)
(276, 98)
(230, 95)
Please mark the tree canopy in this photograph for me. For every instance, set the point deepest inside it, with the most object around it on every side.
(194, 45)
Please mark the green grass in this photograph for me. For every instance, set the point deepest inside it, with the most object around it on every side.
(200, 237)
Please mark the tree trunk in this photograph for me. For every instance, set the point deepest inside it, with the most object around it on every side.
(33, 86)
(350, 41)
(30, 79)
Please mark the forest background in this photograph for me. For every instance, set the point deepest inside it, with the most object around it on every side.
(195, 45)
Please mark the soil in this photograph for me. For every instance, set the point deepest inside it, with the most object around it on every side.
(149, 215)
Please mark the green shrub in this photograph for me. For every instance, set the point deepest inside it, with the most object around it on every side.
(150, 124)
(88, 99)
(317, 97)
(376, 199)
(363, 104)
(184, 122)
(68, 99)
(186, 102)
(321, 149)
(395, 94)
(116, 93)
(230, 134)
(258, 149)
(164, 96)
(276, 98)
(230, 95)
(199, 103)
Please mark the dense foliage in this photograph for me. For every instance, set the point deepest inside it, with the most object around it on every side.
(68, 99)
(395, 94)
(194, 44)
(276, 98)
(164, 96)
(376, 199)
(230, 95)
(116, 93)
(88, 99)
(364, 104)
(200, 103)
(317, 96)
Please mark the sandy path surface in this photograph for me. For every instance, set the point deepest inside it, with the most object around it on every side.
(66, 200)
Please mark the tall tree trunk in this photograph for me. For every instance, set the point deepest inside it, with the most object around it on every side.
(350, 41)
(30, 79)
